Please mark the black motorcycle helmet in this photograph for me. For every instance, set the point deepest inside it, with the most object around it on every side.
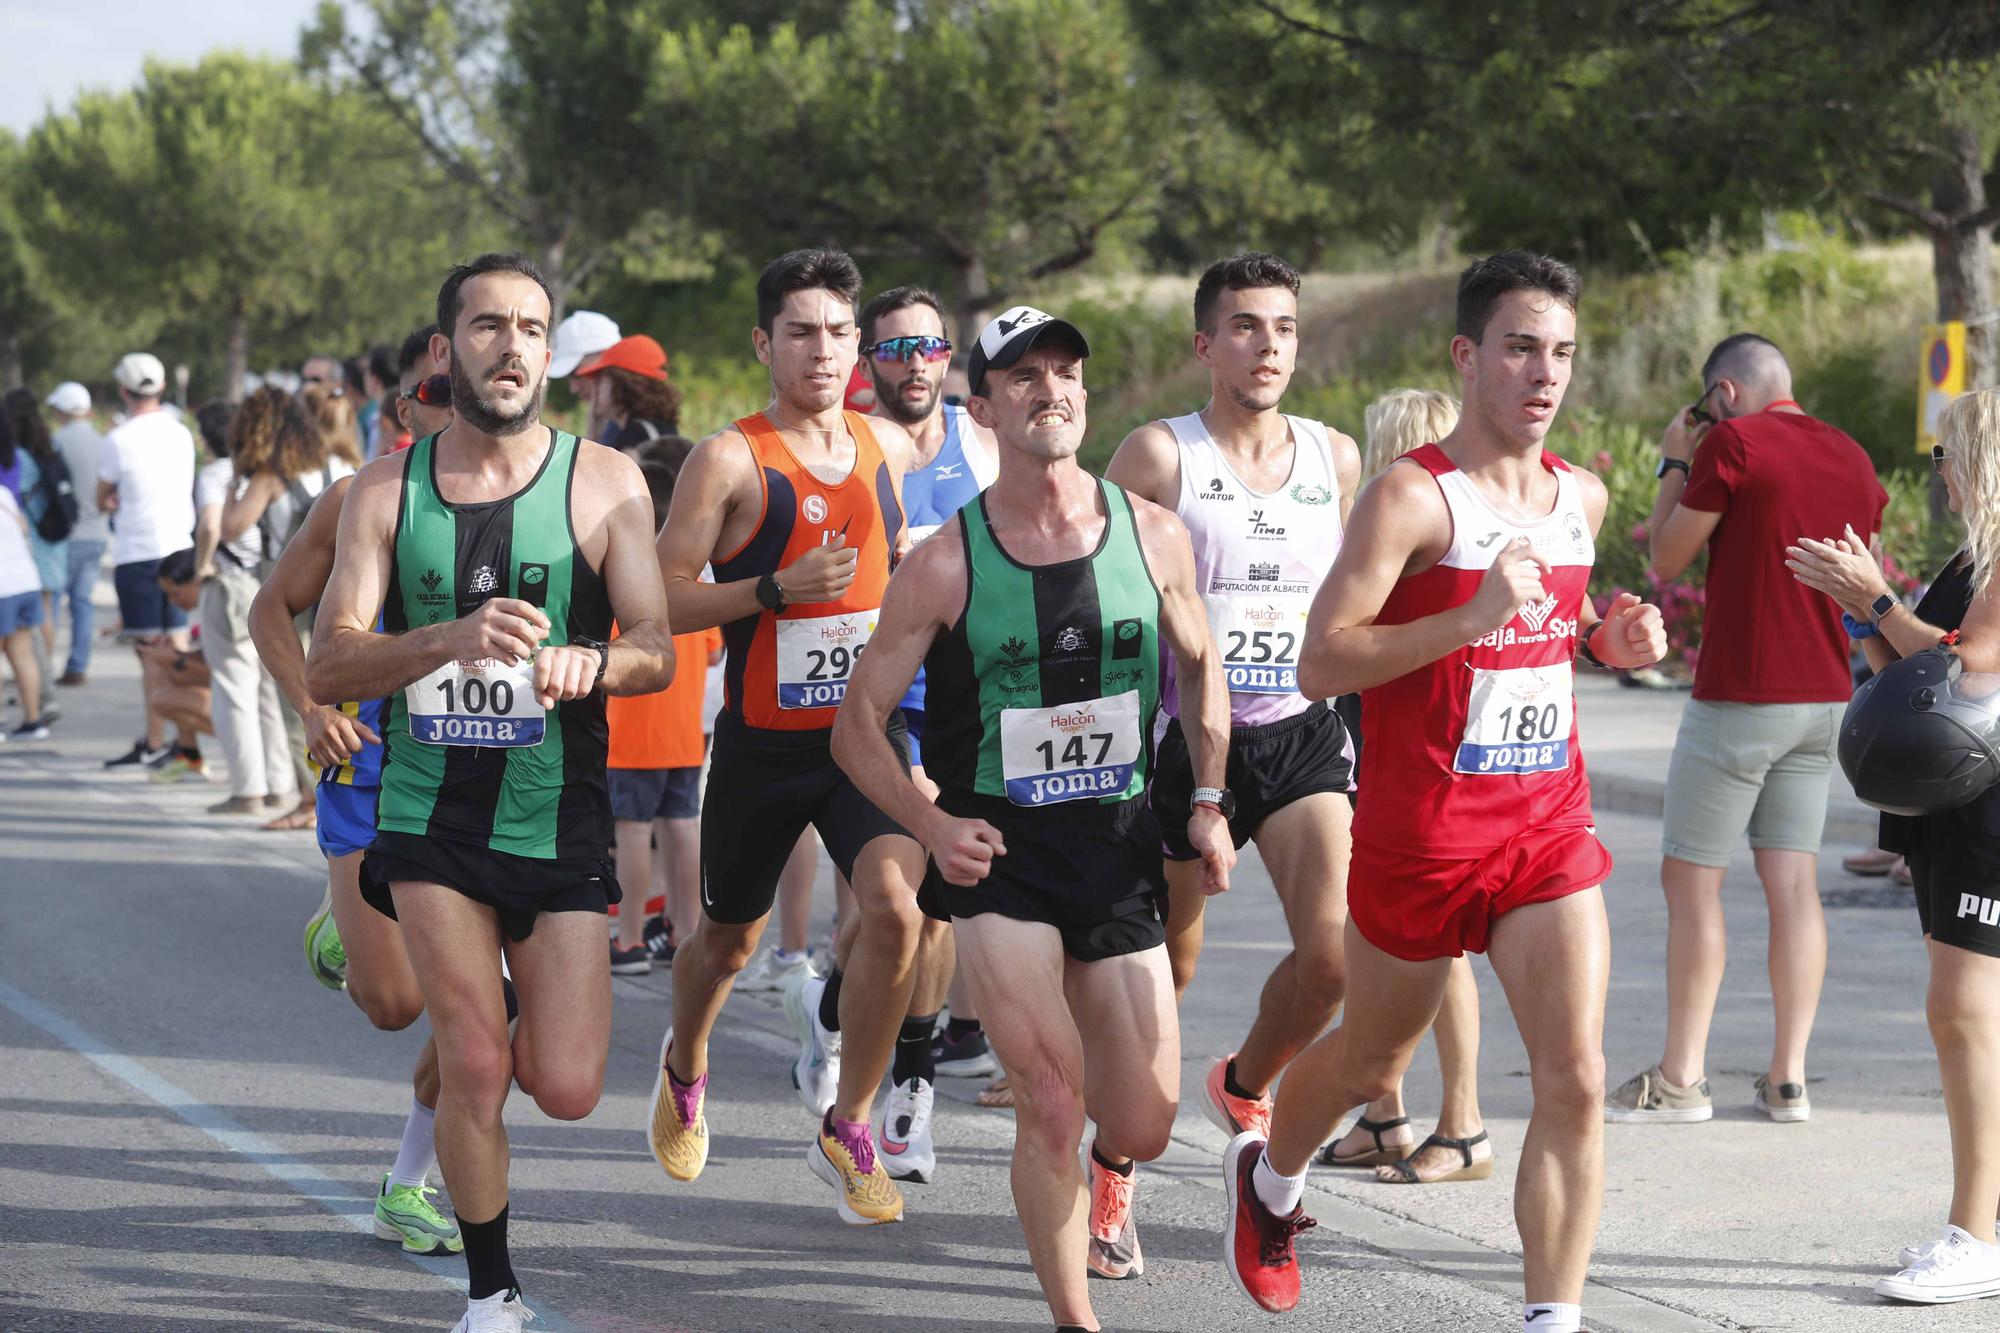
(1922, 736)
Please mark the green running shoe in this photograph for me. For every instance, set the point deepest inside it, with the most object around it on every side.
(403, 1213)
(324, 957)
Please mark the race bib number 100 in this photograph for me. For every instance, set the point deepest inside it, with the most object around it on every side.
(1517, 721)
(487, 702)
(1073, 752)
(817, 656)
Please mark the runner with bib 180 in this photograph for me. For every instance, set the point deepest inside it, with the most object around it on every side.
(1039, 615)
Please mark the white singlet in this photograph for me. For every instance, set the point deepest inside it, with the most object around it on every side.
(1259, 558)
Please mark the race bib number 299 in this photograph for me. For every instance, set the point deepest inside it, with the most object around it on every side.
(816, 657)
(1517, 721)
(487, 702)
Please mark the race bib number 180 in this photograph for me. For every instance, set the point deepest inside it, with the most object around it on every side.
(816, 657)
(486, 702)
(1517, 721)
(1073, 752)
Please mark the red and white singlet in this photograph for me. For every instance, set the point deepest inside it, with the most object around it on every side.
(1481, 744)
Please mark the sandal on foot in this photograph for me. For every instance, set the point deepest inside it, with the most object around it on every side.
(304, 816)
(1382, 1154)
(999, 1093)
(1405, 1174)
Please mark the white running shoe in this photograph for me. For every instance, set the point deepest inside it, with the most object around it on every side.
(1913, 1254)
(1956, 1268)
(772, 969)
(816, 1073)
(904, 1130)
(501, 1312)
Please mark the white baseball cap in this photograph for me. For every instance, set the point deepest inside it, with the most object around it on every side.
(141, 373)
(70, 398)
(585, 333)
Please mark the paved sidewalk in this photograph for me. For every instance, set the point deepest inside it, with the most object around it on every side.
(190, 1129)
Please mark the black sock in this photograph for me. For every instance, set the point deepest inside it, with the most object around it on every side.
(486, 1259)
(513, 1000)
(958, 1029)
(1098, 1158)
(1071, 1328)
(190, 752)
(913, 1051)
(829, 1003)
(1231, 1086)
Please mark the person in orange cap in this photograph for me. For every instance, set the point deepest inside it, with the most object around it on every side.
(626, 387)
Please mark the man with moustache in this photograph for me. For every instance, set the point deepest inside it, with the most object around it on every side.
(1040, 614)
(496, 554)
(1457, 605)
(1263, 495)
(799, 510)
(905, 353)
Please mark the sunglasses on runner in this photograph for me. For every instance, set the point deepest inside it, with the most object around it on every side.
(434, 391)
(1938, 455)
(903, 349)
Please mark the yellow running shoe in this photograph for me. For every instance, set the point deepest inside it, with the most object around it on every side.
(843, 1155)
(679, 1130)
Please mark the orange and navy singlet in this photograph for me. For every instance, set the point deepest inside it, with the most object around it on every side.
(788, 671)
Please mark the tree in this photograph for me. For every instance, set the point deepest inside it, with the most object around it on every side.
(531, 109)
(1000, 142)
(233, 204)
(27, 307)
(1604, 131)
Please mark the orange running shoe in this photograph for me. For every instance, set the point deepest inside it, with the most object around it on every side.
(1229, 1113)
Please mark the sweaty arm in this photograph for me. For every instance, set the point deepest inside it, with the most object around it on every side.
(717, 476)
(1634, 635)
(1346, 470)
(332, 737)
(1204, 697)
(1399, 526)
(641, 659)
(926, 593)
(1148, 464)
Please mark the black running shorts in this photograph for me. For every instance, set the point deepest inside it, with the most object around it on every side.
(519, 888)
(764, 787)
(1269, 768)
(1091, 871)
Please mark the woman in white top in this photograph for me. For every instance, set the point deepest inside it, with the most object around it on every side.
(20, 613)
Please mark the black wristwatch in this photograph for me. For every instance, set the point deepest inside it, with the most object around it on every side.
(603, 656)
(1223, 799)
(1882, 606)
(1668, 465)
(769, 595)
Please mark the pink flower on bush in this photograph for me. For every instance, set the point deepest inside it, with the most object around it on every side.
(1639, 534)
(1602, 460)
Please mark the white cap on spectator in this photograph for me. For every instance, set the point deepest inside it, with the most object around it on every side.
(70, 398)
(141, 373)
(583, 334)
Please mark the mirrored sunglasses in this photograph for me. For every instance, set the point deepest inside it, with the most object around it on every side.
(434, 391)
(904, 349)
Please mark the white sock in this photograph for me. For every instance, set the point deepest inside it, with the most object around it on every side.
(418, 1153)
(785, 955)
(1281, 1194)
(1549, 1317)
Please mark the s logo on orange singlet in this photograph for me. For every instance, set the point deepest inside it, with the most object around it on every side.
(815, 507)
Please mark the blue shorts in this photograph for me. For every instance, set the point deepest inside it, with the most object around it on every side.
(21, 611)
(642, 795)
(143, 606)
(346, 818)
(913, 718)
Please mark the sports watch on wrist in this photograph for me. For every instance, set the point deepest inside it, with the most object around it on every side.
(1668, 465)
(1882, 606)
(603, 656)
(1223, 799)
(769, 595)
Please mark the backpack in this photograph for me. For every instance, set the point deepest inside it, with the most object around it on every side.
(302, 502)
(58, 499)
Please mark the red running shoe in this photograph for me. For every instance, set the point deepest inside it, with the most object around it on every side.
(1257, 1243)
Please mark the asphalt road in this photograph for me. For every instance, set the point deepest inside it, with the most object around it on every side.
(191, 1130)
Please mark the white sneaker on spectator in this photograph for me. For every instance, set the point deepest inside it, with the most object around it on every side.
(1957, 1268)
